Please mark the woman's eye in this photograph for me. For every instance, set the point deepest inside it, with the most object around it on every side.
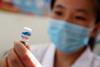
(58, 13)
(80, 18)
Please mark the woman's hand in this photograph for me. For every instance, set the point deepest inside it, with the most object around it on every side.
(19, 56)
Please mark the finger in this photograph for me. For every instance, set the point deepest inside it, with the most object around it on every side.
(25, 44)
(24, 55)
(27, 47)
(3, 62)
(13, 60)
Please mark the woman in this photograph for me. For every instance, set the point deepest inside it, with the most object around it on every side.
(70, 27)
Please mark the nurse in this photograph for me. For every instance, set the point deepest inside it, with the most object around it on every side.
(70, 26)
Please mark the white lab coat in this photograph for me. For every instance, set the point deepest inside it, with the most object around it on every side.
(45, 55)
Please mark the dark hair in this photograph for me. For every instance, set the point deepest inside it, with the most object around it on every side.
(52, 3)
(92, 42)
(97, 2)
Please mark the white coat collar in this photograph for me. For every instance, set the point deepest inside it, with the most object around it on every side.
(84, 60)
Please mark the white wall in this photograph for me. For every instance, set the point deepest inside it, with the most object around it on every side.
(12, 24)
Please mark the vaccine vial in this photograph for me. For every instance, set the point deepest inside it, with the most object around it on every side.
(26, 34)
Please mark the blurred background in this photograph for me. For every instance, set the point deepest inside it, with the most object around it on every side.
(17, 14)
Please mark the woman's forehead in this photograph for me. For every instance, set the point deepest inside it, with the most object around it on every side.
(83, 4)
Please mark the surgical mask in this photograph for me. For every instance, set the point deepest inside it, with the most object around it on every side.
(67, 37)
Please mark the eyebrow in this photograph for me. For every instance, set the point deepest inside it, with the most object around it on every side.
(60, 6)
(82, 10)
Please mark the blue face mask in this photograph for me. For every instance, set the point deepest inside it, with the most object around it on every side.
(67, 37)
